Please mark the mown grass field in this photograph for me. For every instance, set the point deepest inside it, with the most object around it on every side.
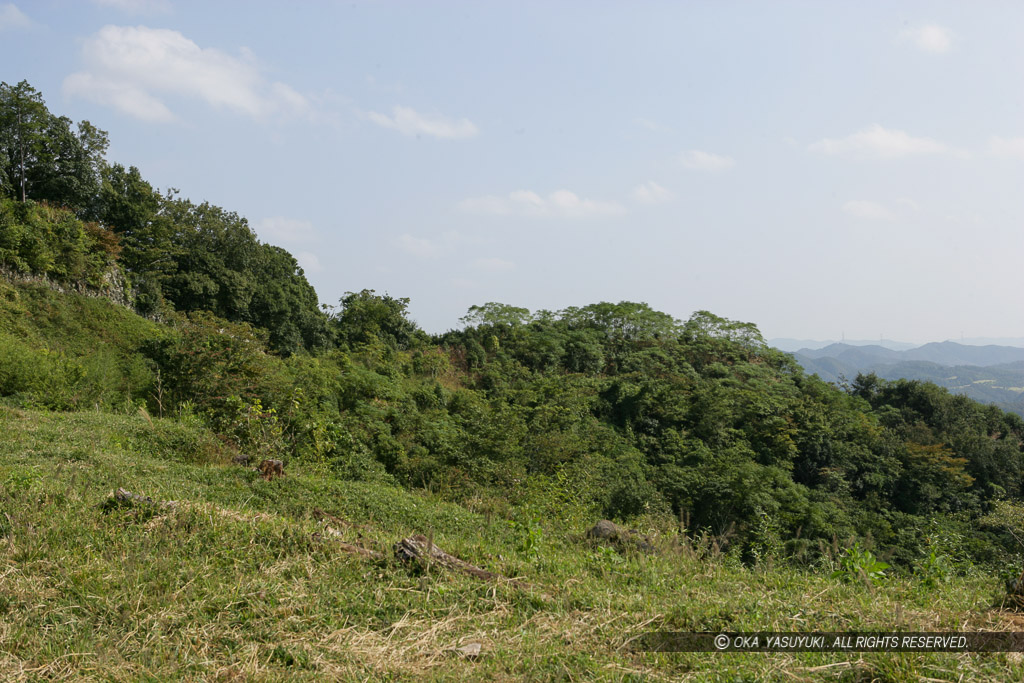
(230, 583)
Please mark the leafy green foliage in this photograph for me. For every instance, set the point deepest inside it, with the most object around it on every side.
(858, 563)
(41, 240)
(220, 267)
(256, 430)
(211, 364)
(366, 318)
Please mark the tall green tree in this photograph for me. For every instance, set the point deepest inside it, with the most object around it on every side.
(23, 123)
(493, 313)
(366, 317)
(42, 156)
(69, 165)
(217, 264)
(285, 304)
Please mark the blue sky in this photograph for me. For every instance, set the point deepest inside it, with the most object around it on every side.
(815, 168)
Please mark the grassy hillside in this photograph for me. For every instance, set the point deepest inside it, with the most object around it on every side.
(231, 583)
(70, 351)
(75, 324)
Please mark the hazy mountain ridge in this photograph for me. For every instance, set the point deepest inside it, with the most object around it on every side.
(857, 355)
(991, 373)
(791, 345)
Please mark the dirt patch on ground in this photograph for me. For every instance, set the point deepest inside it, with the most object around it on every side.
(1014, 621)
(413, 646)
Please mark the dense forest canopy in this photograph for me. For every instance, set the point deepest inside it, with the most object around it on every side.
(622, 410)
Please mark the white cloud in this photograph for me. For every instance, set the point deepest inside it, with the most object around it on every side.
(566, 203)
(309, 262)
(408, 121)
(868, 210)
(930, 38)
(876, 142)
(651, 193)
(560, 203)
(276, 229)
(1007, 147)
(123, 96)
(13, 18)
(133, 68)
(417, 246)
(493, 265)
(697, 160)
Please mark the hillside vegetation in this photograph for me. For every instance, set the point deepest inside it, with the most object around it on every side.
(152, 344)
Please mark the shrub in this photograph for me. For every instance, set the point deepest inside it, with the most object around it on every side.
(859, 563)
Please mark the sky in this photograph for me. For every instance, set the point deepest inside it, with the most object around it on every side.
(820, 169)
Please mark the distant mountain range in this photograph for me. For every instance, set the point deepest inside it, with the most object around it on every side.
(990, 373)
(791, 345)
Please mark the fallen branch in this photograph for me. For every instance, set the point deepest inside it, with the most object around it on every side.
(420, 549)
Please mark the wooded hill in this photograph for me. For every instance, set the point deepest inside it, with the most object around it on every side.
(624, 410)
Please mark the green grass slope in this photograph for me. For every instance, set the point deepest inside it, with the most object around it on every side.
(72, 323)
(69, 351)
(239, 581)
